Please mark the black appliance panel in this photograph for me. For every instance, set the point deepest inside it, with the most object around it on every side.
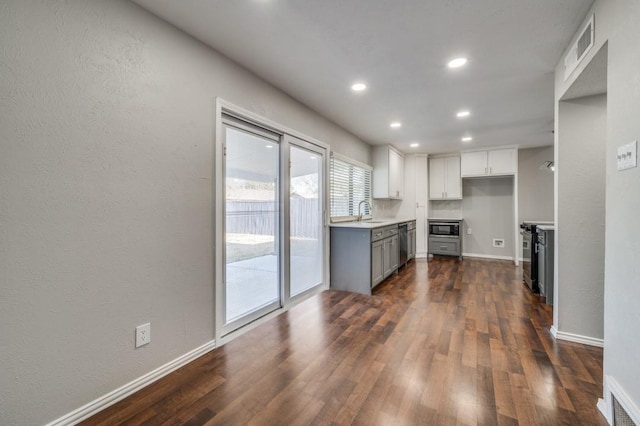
(444, 229)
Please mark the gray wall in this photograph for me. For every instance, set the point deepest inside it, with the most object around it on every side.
(617, 25)
(487, 208)
(106, 132)
(580, 224)
(622, 247)
(535, 186)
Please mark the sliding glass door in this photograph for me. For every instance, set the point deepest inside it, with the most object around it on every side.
(274, 246)
(252, 249)
(306, 216)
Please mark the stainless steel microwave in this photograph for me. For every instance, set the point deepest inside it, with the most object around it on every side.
(446, 229)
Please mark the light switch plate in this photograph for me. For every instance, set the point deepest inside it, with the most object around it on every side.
(627, 157)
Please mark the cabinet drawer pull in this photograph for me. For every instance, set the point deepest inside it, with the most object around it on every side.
(443, 247)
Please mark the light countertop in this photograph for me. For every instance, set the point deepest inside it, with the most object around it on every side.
(546, 227)
(448, 219)
(372, 223)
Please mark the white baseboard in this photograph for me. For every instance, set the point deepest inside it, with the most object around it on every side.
(487, 256)
(421, 255)
(122, 392)
(604, 410)
(612, 387)
(576, 338)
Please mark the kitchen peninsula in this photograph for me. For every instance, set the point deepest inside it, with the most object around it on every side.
(364, 253)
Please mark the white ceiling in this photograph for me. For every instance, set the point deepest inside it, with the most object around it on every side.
(315, 49)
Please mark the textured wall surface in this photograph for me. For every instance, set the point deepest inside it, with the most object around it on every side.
(581, 213)
(106, 132)
(487, 208)
(617, 26)
(535, 186)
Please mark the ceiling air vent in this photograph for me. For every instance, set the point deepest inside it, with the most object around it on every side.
(580, 48)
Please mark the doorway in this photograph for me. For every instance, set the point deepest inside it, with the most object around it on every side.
(273, 197)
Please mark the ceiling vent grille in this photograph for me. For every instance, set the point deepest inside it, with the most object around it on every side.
(580, 48)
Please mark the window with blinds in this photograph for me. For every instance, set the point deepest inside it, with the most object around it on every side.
(350, 184)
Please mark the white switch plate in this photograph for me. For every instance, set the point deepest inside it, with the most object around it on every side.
(498, 242)
(143, 334)
(469, 231)
(627, 157)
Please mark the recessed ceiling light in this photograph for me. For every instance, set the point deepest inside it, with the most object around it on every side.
(269, 146)
(457, 62)
(414, 145)
(358, 87)
(313, 157)
(463, 114)
(395, 125)
(467, 139)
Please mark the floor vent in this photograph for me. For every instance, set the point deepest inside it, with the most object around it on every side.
(580, 48)
(620, 416)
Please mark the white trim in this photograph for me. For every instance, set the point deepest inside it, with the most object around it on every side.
(349, 160)
(422, 255)
(612, 387)
(133, 386)
(242, 113)
(576, 338)
(604, 410)
(487, 256)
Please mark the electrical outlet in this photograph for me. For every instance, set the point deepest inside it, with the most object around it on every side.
(469, 231)
(143, 334)
(498, 242)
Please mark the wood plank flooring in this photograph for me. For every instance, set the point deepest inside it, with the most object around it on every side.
(444, 342)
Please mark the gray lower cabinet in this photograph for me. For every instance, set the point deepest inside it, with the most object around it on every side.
(377, 262)
(391, 255)
(362, 258)
(444, 245)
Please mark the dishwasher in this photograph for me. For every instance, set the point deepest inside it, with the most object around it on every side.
(402, 237)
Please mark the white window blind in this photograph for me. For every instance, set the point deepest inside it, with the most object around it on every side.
(350, 184)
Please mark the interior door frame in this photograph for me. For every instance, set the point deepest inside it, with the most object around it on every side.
(221, 107)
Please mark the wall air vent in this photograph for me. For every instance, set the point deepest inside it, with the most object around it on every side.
(620, 415)
(580, 48)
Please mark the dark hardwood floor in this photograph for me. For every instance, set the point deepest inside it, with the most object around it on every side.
(444, 342)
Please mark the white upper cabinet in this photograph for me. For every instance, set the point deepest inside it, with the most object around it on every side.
(498, 162)
(388, 173)
(444, 178)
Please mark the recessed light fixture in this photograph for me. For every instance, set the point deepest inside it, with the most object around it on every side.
(457, 62)
(467, 139)
(463, 114)
(358, 87)
(395, 125)
(313, 157)
(414, 145)
(269, 146)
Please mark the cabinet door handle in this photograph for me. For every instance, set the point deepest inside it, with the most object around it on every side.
(490, 170)
(443, 247)
(485, 170)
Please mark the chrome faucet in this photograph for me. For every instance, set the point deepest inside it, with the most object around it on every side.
(360, 205)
